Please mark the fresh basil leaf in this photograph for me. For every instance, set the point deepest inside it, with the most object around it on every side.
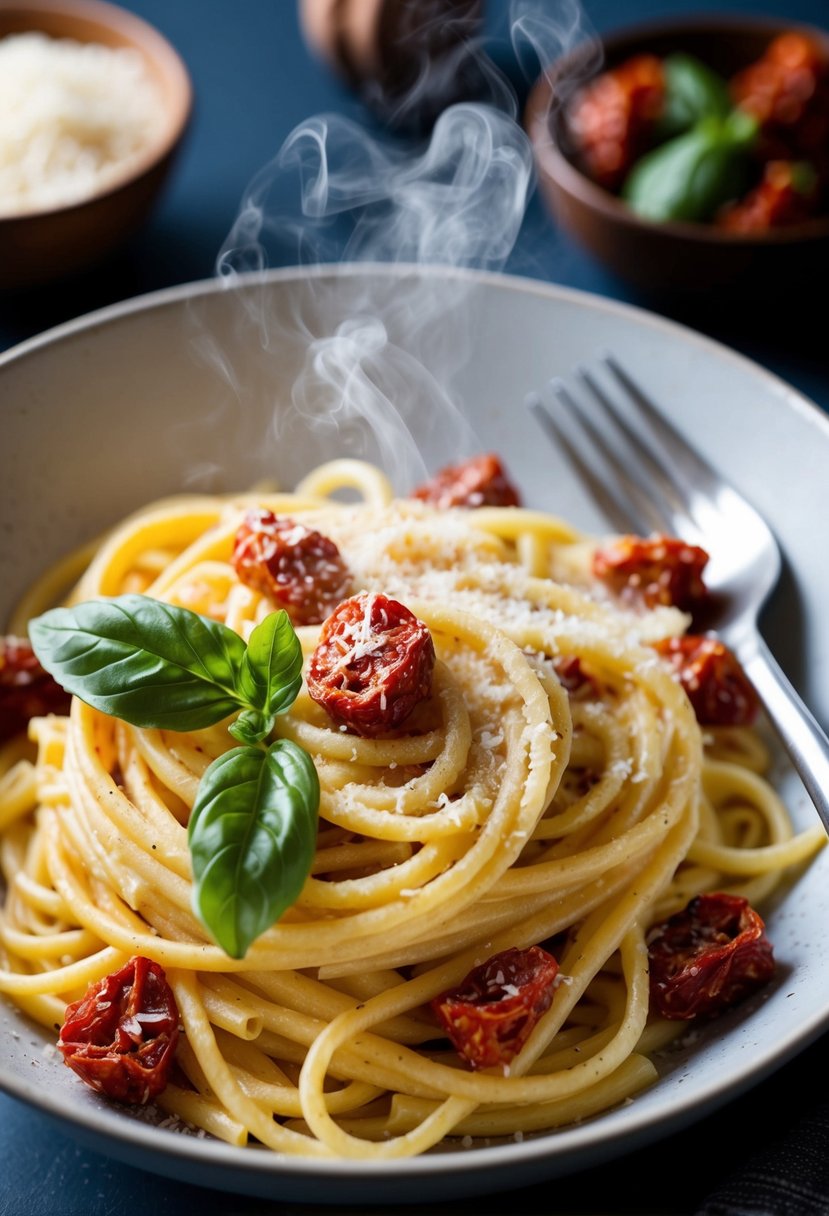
(252, 836)
(690, 176)
(252, 726)
(692, 91)
(150, 663)
(804, 177)
(271, 674)
(740, 128)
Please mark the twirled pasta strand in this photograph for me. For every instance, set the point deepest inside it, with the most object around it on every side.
(504, 814)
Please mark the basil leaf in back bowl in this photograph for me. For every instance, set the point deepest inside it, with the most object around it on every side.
(692, 91)
(691, 176)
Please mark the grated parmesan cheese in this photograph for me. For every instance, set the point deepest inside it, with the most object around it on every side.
(73, 116)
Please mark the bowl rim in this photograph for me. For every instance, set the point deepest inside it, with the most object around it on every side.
(211, 1160)
(553, 164)
(154, 46)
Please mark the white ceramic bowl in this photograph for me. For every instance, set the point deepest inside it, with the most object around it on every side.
(205, 387)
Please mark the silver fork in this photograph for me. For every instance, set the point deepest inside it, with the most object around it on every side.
(648, 479)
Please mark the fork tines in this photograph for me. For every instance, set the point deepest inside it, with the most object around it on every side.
(635, 487)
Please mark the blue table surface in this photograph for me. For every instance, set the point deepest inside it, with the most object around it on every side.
(254, 81)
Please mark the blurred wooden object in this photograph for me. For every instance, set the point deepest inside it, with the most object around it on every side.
(406, 59)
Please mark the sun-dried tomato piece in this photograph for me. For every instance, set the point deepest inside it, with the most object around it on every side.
(787, 91)
(708, 957)
(478, 482)
(296, 567)
(120, 1038)
(786, 195)
(573, 677)
(26, 690)
(612, 119)
(493, 1011)
(373, 664)
(716, 684)
(654, 570)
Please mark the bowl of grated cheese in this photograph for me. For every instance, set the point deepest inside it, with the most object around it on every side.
(94, 105)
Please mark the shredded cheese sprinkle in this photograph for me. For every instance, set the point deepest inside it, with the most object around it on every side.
(73, 116)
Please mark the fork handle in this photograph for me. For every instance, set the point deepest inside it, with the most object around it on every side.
(801, 734)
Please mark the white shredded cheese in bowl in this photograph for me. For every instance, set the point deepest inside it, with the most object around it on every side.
(73, 117)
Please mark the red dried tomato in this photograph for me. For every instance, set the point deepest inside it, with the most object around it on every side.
(612, 119)
(373, 664)
(478, 482)
(715, 682)
(572, 675)
(120, 1038)
(297, 568)
(708, 957)
(787, 91)
(493, 1011)
(786, 195)
(654, 570)
(26, 690)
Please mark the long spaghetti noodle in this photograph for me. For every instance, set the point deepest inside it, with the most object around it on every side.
(505, 814)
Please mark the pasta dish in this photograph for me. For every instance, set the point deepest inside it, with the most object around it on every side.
(535, 783)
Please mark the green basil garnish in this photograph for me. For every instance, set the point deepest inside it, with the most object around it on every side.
(270, 676)
(252, 830)
(804, 177)
(252, 835)
(693, 91)
(690, 176)
(149, 663)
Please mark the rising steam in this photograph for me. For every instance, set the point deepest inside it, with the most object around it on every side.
(456, 201)
(460, 202)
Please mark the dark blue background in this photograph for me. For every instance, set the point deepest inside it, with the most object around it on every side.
(254, 82)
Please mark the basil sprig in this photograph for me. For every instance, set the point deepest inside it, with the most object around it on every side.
(692, 175)
(252, 830)
(270, 677)
(693, 91)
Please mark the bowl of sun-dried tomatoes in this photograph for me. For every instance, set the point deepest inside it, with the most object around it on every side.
(692, 156)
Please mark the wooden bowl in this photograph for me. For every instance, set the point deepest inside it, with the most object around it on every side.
(670, 260)
(41, 246)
